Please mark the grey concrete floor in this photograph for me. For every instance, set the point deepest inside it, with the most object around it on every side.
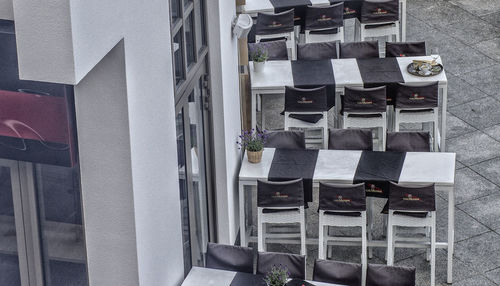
(467, 35)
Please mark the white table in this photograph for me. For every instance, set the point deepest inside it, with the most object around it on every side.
(200, 276)
(278, 74)
(337, 166)
(252, 7)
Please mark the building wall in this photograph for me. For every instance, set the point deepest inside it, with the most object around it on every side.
(6, 10)
(227, 119)
(118, 56)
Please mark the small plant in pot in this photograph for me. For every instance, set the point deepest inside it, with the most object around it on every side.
(253, 142)
(259, 58)
(278, 276)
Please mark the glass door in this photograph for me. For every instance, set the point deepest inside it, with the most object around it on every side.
(13, 262)
(41, 232)
(191, 123)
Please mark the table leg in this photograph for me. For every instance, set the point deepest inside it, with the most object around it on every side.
(444, 107)
(243, 231)
(451, 233)
(254, 109)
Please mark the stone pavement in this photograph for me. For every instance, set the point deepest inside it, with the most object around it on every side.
(467, 35)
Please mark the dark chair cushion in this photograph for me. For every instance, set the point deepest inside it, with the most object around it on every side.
(276, 50)
(317, 51)
(311, 118)
(296, 264)
(383, 275)
(305, 100)
(359, 50)
(229, 257)
(290, 194)
(350, 139)
(342, 273)
(269, 24)
(408, 49)
(408, 142)
(285, 140)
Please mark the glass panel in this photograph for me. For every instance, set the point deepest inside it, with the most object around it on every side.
(190, 47)
(181, 157)
(61, 230)
(187, 2)
(9, 262)
(200, 24)
(176, 9)
(200, 233)
(178, 58)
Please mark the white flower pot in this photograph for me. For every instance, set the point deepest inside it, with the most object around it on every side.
(259, 66)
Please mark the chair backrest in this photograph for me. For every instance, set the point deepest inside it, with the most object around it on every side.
(305, 100)
(336, 197)
(423, 96)
(410, 198)
(269, 24)
(296, 264)
(229, 257)
(276, 50)
(351, 139)
(415, 141)
(342, 273)
(376, 11)
(408, 49)
(280, 194)
(326, 17)
(365, 100)
(317, 51)
(383, 275)
(359, 50)
(285, 140)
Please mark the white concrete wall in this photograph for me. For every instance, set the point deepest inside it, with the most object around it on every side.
(106, 172)
(125, 102)
(141, 175)
(6, 10)
(227, 122)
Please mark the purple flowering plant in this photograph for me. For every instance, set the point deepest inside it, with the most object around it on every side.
(252, 140)
(278, 276)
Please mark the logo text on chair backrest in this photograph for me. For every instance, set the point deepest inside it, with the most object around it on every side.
(379, 11)
(373, 189)
(341, 199)
(349, 11)
(410, 197)
(416, 96)
(324, 18)
(279, 195)
(364, 101)
(275, 24)
(304, 100)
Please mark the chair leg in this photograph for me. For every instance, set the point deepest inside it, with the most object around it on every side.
(428, 235)
(364, 261)
(369, 213)
(260, 233)
(390, 240)
(303, 248)
(321, 239)
(433, 250)
(435, 136)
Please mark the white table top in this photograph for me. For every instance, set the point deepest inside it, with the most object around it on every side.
(199, 276)
(339, 166)
(278, 74)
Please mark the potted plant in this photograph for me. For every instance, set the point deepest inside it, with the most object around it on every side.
(259, 58)
(278, 276)
(253, 142)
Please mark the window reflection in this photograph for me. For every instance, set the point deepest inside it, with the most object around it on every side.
(60, 215)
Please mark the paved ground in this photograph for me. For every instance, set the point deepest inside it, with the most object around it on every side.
(467, 34)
